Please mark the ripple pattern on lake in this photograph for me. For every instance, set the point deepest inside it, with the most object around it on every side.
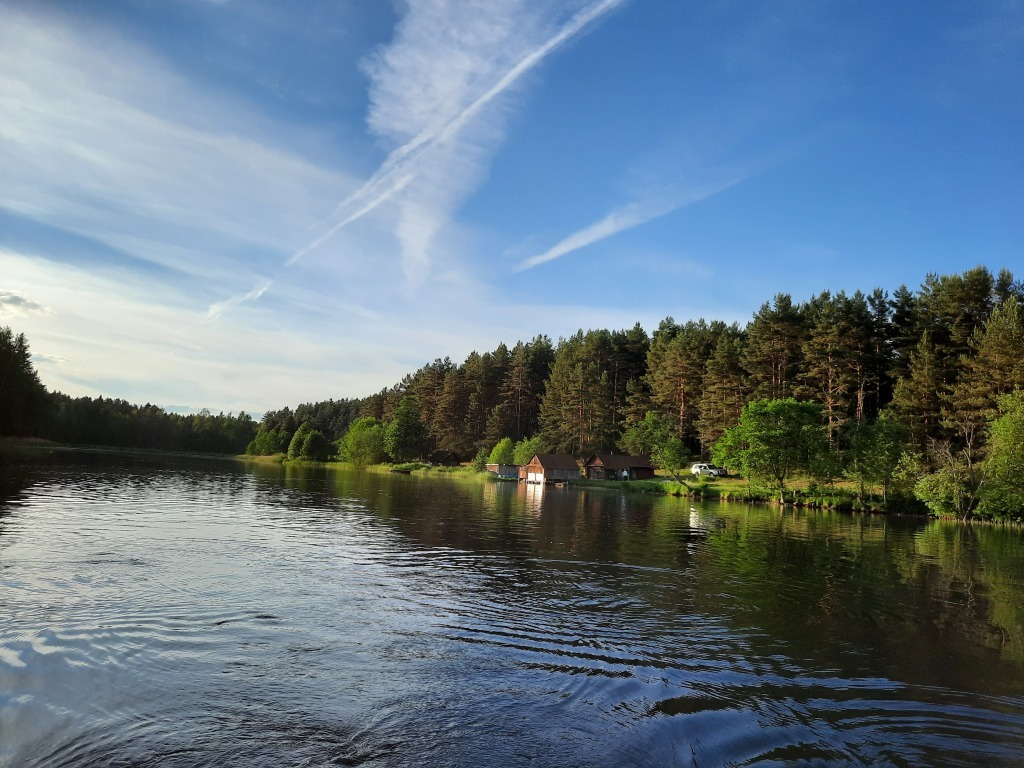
(164, 615)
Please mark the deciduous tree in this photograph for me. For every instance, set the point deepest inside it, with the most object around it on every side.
(773, 440)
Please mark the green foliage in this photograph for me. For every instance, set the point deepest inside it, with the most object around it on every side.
(503, 452)
(268, 442)
(363, 444)
(405, 435)
(995, 366)
(951, 490)
(773, 351)
(875, 452)
(526, 448)
(480, 461)
(773, 440)
(654, 437)
(295, 446)
(1003, 493)
(315, 446)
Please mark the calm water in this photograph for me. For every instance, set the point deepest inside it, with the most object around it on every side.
(208, 614)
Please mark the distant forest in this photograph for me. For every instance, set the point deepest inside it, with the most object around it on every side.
(935, 360)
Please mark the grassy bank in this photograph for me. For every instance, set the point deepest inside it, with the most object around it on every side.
(804, 493)
(733, 489)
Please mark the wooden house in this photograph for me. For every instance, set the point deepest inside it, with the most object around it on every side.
(609, 466)
(550, 468)
(506, 471)
(443, 459)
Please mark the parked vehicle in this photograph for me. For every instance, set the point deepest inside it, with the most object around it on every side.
(710, 470)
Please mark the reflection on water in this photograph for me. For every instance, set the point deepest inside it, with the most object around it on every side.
(187, 614)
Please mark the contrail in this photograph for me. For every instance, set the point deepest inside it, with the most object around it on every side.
(217, 309)
(628, 216)
(389, 178)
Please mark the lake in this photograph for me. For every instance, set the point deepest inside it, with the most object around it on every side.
(172, 612)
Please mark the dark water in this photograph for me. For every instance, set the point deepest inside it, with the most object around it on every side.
(208, 614)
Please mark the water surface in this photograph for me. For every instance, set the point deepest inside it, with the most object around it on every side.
(172, 613)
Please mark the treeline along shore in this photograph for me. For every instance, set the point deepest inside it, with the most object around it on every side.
(904, 399)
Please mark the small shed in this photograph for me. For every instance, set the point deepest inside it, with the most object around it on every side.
(608, 466)
(550, 468)
(443, 459)
(506, 471)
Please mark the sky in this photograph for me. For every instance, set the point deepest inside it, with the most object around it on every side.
(248, 204)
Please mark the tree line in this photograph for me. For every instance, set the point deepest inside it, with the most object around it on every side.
(932, 362)
(936, 359)
(923, 370)
(28, 409)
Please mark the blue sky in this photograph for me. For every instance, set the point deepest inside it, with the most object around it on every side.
(247, 204)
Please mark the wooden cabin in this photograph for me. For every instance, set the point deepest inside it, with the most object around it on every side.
(609, 466)
(506, 471)
(443, 459)
(550, 468)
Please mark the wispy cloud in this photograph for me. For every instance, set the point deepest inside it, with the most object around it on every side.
(15, 304)
(631, 215)
(191, 173)
(446, 66)
(217, 309)
(50, 359)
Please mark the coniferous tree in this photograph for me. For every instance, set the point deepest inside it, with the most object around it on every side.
(450, 430)
(950, 308)
(918, 395)
(995, 366)
(905, 334)
(574, 415)
(879, 377)
(23, 398)
(675, 376)
(772, 353)
(725, 390)
(835, 364)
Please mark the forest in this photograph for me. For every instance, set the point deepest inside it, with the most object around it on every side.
(931, 366)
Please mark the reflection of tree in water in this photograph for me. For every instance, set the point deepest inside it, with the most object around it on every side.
(912, 600)
(904, 599)
(15, 477)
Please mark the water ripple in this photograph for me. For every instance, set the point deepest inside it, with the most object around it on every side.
(178, 616)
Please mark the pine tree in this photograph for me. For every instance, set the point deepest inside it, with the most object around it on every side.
(575, 414)
(918, 395)
(835, 357)
(772, 353)
(675, 374)
(23, 398)
(725, 390)
(996, 364)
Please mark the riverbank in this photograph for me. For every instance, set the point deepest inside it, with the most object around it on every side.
(804, 494)
(725, 489)
(27, 446)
